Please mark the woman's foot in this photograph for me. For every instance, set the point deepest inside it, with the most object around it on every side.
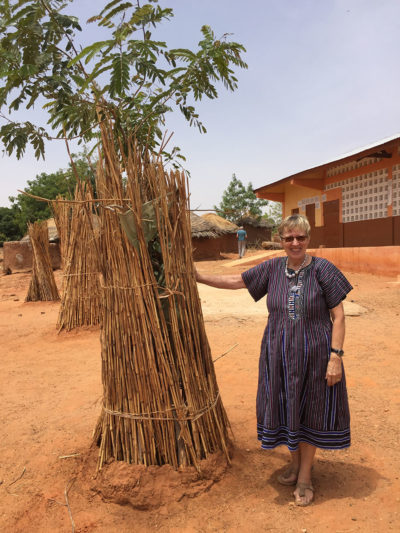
(303, 494)
(289, 476)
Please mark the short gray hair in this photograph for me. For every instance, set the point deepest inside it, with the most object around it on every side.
(295, 221)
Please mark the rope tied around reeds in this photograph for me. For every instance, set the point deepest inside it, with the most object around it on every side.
(168, 291)
(81, 274)
(140, 416)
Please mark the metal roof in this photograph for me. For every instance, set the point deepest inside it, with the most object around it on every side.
(317, 171)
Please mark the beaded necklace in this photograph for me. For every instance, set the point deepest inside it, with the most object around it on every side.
(296, 272)
(295, 297)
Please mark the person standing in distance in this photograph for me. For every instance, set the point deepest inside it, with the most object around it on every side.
(241, 236)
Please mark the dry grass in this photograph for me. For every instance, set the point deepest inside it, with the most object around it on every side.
(221, 224)
(42, 285)
(81, 302)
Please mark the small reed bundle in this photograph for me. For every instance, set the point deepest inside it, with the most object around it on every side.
(62, 218)
(42, 286)
(161, 403)
(80, 302)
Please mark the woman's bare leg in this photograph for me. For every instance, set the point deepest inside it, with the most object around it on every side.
(289, 476)
(307, 453)
(295, 461)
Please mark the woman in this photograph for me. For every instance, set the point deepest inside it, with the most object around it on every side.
(302, 397)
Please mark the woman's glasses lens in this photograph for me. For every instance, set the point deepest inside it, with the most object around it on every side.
(291, 238)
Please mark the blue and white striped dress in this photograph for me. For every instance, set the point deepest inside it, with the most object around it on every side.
(294, 403)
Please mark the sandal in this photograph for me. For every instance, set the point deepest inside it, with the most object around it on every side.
(302, 493)
(283, 478)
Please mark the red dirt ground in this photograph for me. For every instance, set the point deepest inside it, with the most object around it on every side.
(50, 393)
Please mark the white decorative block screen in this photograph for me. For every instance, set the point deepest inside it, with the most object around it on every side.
(364, 197)
(396, 190)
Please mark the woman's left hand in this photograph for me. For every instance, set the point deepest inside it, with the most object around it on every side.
(334, 370)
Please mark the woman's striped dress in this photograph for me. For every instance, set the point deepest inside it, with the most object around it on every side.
(294, 403)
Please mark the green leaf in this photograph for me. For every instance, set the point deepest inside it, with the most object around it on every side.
(106, 19)
(119, 75)
(90, 51)
(109, 6)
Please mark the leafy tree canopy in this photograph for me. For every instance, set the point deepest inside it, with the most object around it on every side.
(274, 213)
(129, 75)
(49, 186)
(9, 228)
(239, 201)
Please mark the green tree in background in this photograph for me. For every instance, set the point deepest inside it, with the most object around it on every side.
(128, 76)
(274, 213)
(46, 186)
(49, 186)
(238, 201)
(9, 228)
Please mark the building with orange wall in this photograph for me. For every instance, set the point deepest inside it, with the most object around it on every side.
(352, 201)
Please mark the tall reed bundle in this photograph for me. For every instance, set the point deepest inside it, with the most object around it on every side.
(161, 403)
(80, 302)
(62, 212)
(42, 285)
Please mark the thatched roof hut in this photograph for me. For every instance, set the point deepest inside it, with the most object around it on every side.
(255, 222)
(220, 224)
(258, 230)
(212, 236)
(201, 228)
(52, 230)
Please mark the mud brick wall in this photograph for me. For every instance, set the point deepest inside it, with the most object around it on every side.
(256, 235)
(206, 248)
(18, 256)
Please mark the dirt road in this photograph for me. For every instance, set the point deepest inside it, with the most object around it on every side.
(50, 393)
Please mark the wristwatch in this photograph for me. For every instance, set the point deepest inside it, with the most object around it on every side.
(340, 353)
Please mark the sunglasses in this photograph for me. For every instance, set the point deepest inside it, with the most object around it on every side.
(291, 238)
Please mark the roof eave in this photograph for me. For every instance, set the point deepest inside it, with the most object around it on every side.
(265, 189)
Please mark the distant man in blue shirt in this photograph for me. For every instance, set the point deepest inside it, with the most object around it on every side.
(241, 237)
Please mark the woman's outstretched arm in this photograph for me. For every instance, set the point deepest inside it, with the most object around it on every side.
(230, 281)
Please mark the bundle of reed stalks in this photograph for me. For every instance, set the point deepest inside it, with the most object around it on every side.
(161, 403)
(62, 213)
(42, 285)
(80, 302)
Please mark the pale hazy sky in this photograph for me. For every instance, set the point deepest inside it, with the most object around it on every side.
(323, 79)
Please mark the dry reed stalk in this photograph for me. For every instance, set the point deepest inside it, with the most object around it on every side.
(161, 403)
(42, 286)
(80, 302)
(62, 218)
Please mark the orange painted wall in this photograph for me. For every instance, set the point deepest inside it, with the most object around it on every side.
(381, 260)
(293, 194)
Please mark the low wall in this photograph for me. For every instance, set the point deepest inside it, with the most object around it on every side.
(379, 260)
(18, 256)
